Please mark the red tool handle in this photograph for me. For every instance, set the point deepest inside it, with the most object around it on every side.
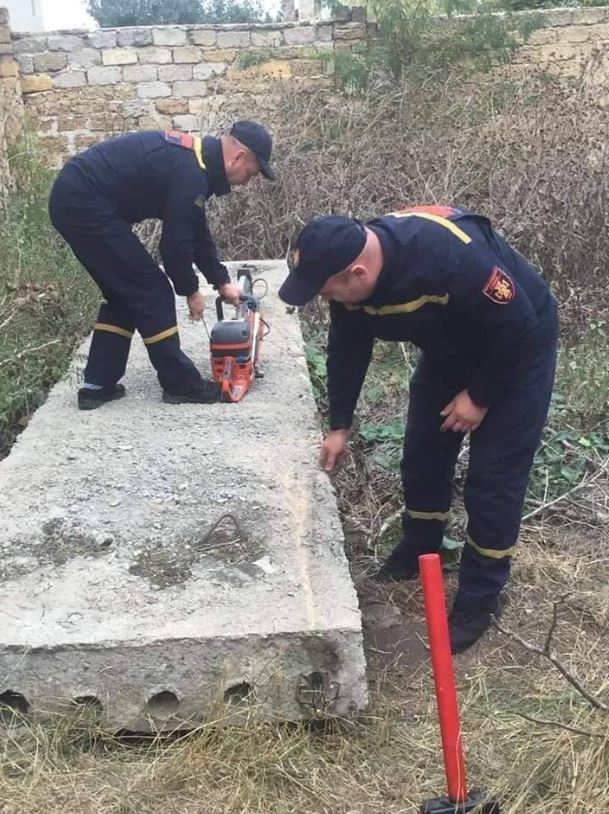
(444, 677)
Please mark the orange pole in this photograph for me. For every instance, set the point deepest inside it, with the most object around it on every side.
(444, 677)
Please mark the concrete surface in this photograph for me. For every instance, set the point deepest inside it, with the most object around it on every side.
(111, 588)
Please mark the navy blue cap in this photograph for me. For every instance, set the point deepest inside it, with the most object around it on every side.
(258, 139)
(327, 245)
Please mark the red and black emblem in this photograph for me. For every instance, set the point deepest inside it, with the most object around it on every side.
(499, 287)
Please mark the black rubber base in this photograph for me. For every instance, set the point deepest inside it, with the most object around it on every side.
(477, 801)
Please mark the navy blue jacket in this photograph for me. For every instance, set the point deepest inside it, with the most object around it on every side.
(152, 174)
(455, 289)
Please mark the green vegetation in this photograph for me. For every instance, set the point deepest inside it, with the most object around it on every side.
(46, 300)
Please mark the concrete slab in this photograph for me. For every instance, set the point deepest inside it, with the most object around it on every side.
(112, 588)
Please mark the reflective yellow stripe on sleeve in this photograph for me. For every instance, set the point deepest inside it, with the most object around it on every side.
(113, 329)
(151, 340)
(447, 224)
(407, 307)
(198, 148)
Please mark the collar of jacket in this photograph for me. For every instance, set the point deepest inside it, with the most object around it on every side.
(391, 253)
(214, 164)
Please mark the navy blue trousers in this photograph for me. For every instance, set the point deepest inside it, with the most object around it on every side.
(138, 294)
(500, 460)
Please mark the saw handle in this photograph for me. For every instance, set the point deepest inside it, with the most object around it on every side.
(220, 305)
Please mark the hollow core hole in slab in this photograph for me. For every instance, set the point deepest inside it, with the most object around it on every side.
(163, 705)
(239, 693)
(12, 704)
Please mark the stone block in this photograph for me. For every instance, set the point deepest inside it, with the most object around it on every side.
(188, 123)
(589, 16)
(267, 39)
(84, 58)
(36, 83)
(81, 142)
(576, 33)
(70, 79)
(169, 36)
(153, 90)
(192, 88)
(273, 69)
(6, 49)
(555, 17)
(30, 45)
(170, 107)
(134, 36)
(153, 122)
(52, 145)
(350, 31)
(234, 39)
(171, 73)
(8, 68)
(5, 35)
(67, 123)
(26, 63)
(203, 36)
(105, 75)
(208, 69)
(119, 56)
(138, 107)
(140, 73)
(302, 35)
(43, 63)
(323, 32)
(219, 55)
(4, 16)
(157, 56)
(64, 42)
(188, 53)
(307, 67)
(102, 39)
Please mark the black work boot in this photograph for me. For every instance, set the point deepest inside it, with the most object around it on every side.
(400, 565)
(467, 623)
(196, 391)
(90, 399)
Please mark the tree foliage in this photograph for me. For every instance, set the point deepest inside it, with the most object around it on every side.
(118, 13)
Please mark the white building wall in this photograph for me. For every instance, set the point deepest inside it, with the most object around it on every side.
(25, 15)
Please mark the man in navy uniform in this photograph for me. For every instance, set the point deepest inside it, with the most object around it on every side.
(487, 327)
(96, 199)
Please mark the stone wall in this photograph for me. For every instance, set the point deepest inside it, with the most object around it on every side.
(568, 39)
(11, 104)
(80, 87)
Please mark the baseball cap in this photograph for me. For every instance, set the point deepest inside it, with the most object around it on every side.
(325, 246)
(258, 139)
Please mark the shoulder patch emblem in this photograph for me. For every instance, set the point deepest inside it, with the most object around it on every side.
(499, 287)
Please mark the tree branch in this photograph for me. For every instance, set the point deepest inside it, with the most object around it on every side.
(547, 653)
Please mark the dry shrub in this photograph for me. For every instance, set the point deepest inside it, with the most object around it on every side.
(529, 152)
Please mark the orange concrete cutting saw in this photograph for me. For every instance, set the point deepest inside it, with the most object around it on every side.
(235, 342)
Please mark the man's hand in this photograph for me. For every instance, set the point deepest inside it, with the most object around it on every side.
(462, 414)
(230, 293)
(196, 305)
(333, 449)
